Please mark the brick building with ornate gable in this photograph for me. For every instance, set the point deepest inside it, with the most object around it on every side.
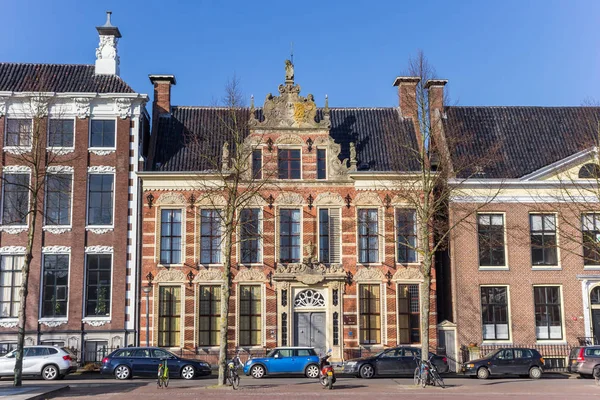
(324, 265)
(82, 282)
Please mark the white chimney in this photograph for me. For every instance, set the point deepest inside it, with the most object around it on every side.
(107, 58)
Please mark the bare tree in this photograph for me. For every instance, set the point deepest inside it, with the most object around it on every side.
(24, 189)
(232, 183)
(432, 173)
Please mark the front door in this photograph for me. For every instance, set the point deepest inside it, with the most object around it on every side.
(596, 325)
(309, 330)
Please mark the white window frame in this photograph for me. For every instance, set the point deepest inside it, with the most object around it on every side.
(12, 321)
(89, 318)
(380, 233)
(17, 149)
(382, 314)
(588, 267)
(156, 316)
(504, 267)
(61, 149)
(558, 265)
(396, 255)
(290, 147)
(562, 315)
(329, 208)
(159, 211)
(277, 230)
(508, 310)
(102, 150)
(47, 227)
(263, 319)
(41, 299)
(107, 171)
(326, 163)
(260, 239)
(222, 250)
(13, 170)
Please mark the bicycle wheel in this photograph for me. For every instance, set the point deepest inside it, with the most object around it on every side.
(235, 382)
(417, 377)
(166, 381)
(159, 382)
(437, 379)
(424, 378)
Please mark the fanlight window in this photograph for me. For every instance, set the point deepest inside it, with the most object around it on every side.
(595, 296)
(589, 171)
(309, 298)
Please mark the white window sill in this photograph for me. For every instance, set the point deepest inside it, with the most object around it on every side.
(17, 149)
(57, 229)
(375, 264)
(496, 342)
(259, 264)
(8, 322)
(208, 265)
(170, 265)
(61, 150)
(53, 322)
(591, 267)
(546, 268)
(550, 341)
(13, 229)
(100, 229)
(96, 321)
(101, 151)
(492, 268)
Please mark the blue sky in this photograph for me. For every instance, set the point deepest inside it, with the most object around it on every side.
(492, 52)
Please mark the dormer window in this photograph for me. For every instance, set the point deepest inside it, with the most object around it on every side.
(289, 164)
(589, 171)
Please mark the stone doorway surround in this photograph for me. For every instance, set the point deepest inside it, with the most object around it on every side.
(588, 283)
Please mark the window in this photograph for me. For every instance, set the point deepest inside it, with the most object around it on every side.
(169, 316)
(543, 239)
(55, 288)
(324, 243)
(409, 317)
(257, 164)
(370, 314)
(548, 321)
(210, 236)
(98, 284)
(102, 133)
(6, 348)
(490, 229)
(329, 235)
(95, 351)
(591, 238)
(589, 171)
(100, 202)
(250, 316)
(170, 236)
(210, 314)
(58, 199)
(406, 231)
(368, 236)
(250, 236)
(321, 164)
(10, 285)
(289, 164)
(18, 132)
(494, 313)
(61, 133)
(15, 199)
(289, 235)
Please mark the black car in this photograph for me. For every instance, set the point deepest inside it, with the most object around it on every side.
(396, 361)
(129, 361)
(509, 361)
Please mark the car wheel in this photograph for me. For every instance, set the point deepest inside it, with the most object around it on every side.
(188, 372)
(257, 371)
(312, 371)
(367, 371)
(483, 373)
(50, 372)
(122, 372)
(535, 373)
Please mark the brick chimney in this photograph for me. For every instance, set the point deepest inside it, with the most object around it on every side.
(435, 88)
(162, 94)
(107, 58)
(407, 92)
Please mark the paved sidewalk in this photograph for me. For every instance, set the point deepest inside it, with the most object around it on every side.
(33, 392)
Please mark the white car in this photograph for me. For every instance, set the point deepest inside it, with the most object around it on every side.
(49, 362)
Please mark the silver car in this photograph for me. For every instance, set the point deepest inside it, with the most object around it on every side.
(49, 362)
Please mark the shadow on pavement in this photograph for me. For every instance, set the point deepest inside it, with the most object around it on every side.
(99, 390)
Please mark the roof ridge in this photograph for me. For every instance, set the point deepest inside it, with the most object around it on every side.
(256, 108)
(37, 63)
(554, 107)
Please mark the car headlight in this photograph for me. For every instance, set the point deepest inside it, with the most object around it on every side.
(470, 365)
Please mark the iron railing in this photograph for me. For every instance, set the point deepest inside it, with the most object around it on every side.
(555, 356)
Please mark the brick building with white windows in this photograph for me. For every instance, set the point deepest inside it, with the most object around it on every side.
(525, 266)
(324, 260)
(82, 283)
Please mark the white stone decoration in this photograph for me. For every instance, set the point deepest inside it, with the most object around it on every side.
(13, 230)
(53, 323)
(369, 274)
(207, 275)
(408, 273)
(3, 105)
(123, 107)
(211, 200)
(57, 230)
(39, 106)
(99, 249)
(96, 322)
(289, 199)
(13, 250)
(16, 169)
(170, 275)
(99, 152)
(172, 198)
(107, 59)
(82, 107)
(367, 199)
(102, 169)
(250, 275)
(289, 139)
(309, 298)
(60, 169)
(61, 150)
(18, 150)
(329, 199)
(9, 323)
(99, 231)
(56, 249)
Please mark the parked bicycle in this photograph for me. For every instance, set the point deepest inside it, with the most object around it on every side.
(427, 374)
(163, 374)
(232, 371)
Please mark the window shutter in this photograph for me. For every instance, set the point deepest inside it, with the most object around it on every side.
(381, 233)
(335, 235)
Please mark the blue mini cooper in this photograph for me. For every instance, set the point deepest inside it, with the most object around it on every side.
(285, 360)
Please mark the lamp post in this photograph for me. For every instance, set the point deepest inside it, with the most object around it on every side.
(147, 290)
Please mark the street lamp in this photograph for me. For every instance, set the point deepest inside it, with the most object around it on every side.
(147, 290)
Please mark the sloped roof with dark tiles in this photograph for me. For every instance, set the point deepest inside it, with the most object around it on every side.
(383, 139)
(517, 140)
(60, 78)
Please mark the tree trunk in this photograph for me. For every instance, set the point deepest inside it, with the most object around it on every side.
(23, 298)
(225, 295)
(425, 307)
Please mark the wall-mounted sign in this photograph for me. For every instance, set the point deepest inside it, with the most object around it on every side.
(350, 319)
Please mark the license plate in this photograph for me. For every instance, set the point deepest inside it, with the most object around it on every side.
(329, 373)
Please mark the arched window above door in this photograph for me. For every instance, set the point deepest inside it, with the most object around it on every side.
(595, 296)
(589, 171)
(309, 298)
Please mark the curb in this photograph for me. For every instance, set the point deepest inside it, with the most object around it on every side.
(43, 395)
